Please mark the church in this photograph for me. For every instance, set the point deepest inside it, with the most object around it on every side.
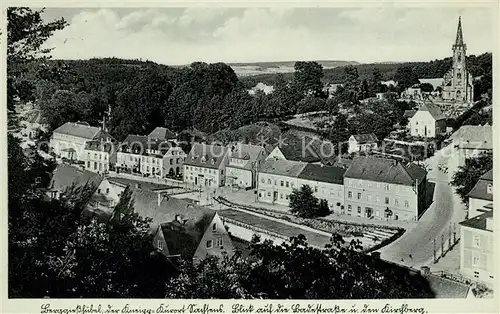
(458, 83)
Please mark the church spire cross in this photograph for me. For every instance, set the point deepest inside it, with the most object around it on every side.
(460, 40)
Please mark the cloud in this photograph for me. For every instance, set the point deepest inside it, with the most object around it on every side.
(181, 36)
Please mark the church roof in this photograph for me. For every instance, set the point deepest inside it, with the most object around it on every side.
(459, 40)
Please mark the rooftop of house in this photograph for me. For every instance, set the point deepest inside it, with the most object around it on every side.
(365, 138)
(473, 137)
(100, 146)
(162, 133)
(480, 190)
(140, 144)
(478, 222)
(295, 152)
(139, 185)
(65, 176)
(409, 113)
(282, 167)
(385, 170)
(434, 110)
(78, 129)
(323, 173)
(206, 156)
(245, 151)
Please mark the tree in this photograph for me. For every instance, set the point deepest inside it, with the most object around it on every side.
(375, 85)
(406, 77)
(307, 77)
(467, 176)
(26, 33)
(426, 87)
(303, 203)
(351, 84)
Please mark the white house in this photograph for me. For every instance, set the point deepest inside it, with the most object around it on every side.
(205, 165)
(327, 182)
(362, 143)
(244, 160)
(99, 154)
(427, 122)
(481, 195)
(470, 141)
(69, 139)
(277, 179)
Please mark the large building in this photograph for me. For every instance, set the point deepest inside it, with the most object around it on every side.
(427, 122)
(244, 160)
(458, 82)
(380, 188)
(477, 246)
(205, 165)
(69, 139)
(99, 154)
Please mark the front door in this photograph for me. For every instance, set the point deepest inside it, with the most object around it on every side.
(196, 180)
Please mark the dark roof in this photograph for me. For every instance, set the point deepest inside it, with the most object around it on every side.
(206, 156)
(245, 151)
(78, 129)
(434, 110)
(478, 222)
(162, 133)
(66, 175)
(365, 138)
(139, 144)
(287, 168)
(409, 113)
(294, 152)
(385, 170)
(100, 146)
(323, 173)
(480, 190)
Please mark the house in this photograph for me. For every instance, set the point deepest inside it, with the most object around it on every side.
(327, 183)
(481, 195)
(244, 160)
(182, 229)
(381, 188)
(477, 248)
(163, 134)
(65, 176)
(34, 123)
(304, 153)
(427, 122)
(276, 180)
(150, 156)
(69, 139)
(470, 141)
(99, 154)
(362, 143)
(205, 165)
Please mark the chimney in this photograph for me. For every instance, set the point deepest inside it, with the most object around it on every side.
(178, 218)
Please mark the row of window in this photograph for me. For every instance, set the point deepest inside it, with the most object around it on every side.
(283, 183)
(386, 200)
(368, 184)
(99, 156)
(97, 166)
(204, 170)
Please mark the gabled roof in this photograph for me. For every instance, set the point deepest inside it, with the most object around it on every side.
(478, 222)
(409, 113)
(294, 152)
(101, 146)
(365, 138)
(139, 144)
(286, 168)
(434, 110)
(480, 190)
(162, 133)
(385, 170)
(473, 137)
(323, 173)
(78, 129)
(206, 156)
(245, 151)
(66, 175)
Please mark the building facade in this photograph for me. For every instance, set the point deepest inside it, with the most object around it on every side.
(379, 188)
(470, 141)
(277, 179)
(481, 195)
(244, 160)
(69, 140)
(99, 154)
(427, 122)
(362, 143)
(458, 82)
(205, 165)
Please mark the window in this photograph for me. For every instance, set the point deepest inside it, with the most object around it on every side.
(107, 190)
(171, 161)
(281, 196)
(396, 202)
(359, 196)
(316, 189)
(88, 164)
(214, 227)
(269, 181)
(88, 155)
(98, 191)
(287, 184)
(281, 182)
(407, 204)
(210, 244)
(349, 208)
(275, 182)
(476, 259)
(349, 194)
(262, 180)
(359, 209)
(490, 189)
(160, 245)
(378, 199)
(286, 196)
(477, 241)
(387, 187)
(416, 122)
(386, 200)
(95, 156)
(269, 194)
(219, 241)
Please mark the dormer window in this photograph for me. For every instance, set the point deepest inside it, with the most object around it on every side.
(213, 161)
(489, 189)
(203, 159)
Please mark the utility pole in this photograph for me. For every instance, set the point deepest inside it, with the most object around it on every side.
(434, 250)
(449, 236)
(442, 245)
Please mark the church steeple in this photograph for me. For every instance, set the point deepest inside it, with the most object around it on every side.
(459, 41)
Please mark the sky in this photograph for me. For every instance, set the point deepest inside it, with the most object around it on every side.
(177, 36)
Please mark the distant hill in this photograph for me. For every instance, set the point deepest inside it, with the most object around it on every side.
(273, 67)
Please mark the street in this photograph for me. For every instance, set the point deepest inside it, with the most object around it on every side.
(416, 247)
